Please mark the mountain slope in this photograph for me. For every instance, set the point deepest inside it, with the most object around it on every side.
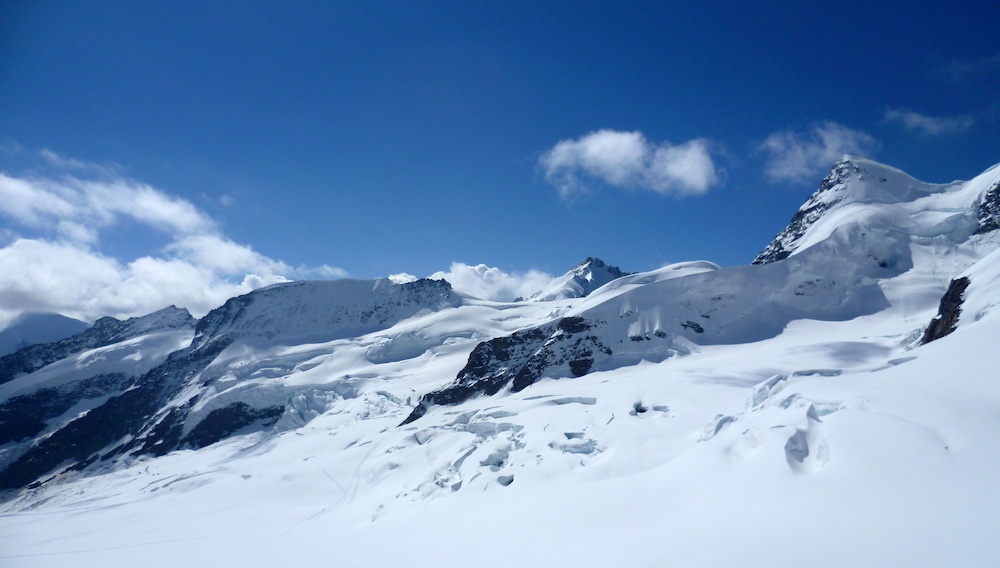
(104, 332)
(851, 181)
(34, 328)
(660, 416)
(151, 415)
(580, 281)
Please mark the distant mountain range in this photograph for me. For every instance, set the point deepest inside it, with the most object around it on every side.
(32, 328)
(712, 382)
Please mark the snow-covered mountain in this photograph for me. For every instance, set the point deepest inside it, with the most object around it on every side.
(580, 281)
(33, 328)
(831, 403)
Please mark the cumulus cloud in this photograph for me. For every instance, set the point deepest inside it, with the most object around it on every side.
(627, 160)
(928, 125)
(61, 267)
(402, 278)
(75, 280)
(491, 283)
(799, 156)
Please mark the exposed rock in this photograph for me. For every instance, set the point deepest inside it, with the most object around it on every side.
(519, 360)
(25, 416)
(579, 282)
(224, 422)
(785, 242)
(99, 434)
(949, 311)
(152, 414)
(989, 210)
(105, 331)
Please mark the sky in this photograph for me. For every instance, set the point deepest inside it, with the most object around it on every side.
(156, 153)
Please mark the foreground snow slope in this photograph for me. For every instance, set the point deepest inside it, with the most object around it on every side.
(891, 464)
(803, 423)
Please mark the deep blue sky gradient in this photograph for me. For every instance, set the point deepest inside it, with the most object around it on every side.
(401, 136)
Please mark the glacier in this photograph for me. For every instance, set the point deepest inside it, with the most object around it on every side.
(773, 414)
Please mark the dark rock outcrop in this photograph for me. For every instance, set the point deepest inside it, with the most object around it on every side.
(949, 311)
(784, 242)
(224, 422)
(27, 415)
(152, 414)
(989, 210)
(519, 360)
(120, 425)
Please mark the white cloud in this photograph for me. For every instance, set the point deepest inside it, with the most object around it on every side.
(321, 272)
(96, 204)
(929, 125)
(490, 283)
(402, 278)
(628, 160)
(62, 269)
(221, 255)
(75, 280)
(801, 156)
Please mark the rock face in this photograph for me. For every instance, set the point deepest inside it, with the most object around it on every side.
(519, 360)
(303, 312)
(105, 331)
(949, 311)
(785, 241)
(155, 413)
(989, 210)
(852, 181)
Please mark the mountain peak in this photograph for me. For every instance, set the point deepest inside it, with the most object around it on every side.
(592, 264)
(32, 328)
(851, 180)
(580, 281)
(323, 310)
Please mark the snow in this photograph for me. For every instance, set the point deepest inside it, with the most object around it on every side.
(34, 328)
(902, 481)
(802, 425)
(133, 357)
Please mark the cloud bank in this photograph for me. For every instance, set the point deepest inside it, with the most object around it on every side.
(491, 283)
(60, 267)
(801, 156)
(627, 160)
(928, 125)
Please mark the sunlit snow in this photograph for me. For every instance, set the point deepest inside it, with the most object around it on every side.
(773, 415)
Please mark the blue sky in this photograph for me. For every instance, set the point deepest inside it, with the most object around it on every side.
(183, 152)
